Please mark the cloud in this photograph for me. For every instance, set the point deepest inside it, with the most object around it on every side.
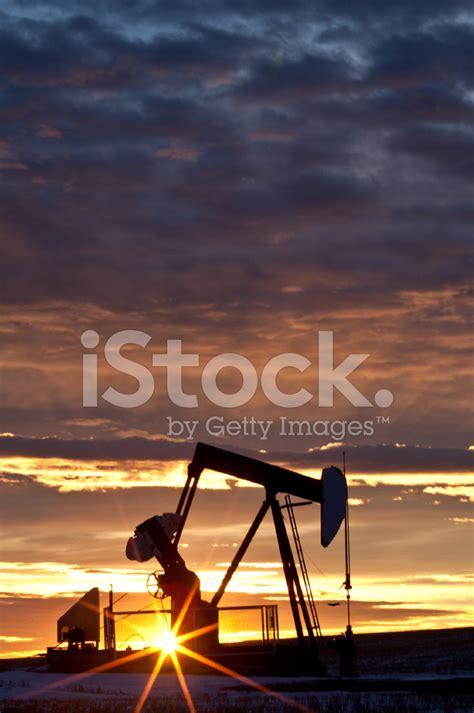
(375, 459)
(240, 176)
(15, 639)
(424, 58)
(113, 100)
(86, 449)
(451, 491)
(409, 565)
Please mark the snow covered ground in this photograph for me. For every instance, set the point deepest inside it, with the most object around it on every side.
(26, 691)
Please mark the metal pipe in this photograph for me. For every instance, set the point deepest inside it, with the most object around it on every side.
(240, 552)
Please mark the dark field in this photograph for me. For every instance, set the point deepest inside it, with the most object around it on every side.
(438, 651)
(427, 671)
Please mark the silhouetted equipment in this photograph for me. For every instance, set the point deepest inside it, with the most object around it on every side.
(154, 537)
(347, 648)
(109, 623)
(345, 645)
(158, 537)
(330, 491)
(81, 623)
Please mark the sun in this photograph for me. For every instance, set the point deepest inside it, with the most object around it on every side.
(167, 642)
(170, 644)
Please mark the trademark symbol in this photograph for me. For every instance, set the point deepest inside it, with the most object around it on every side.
(383, 419)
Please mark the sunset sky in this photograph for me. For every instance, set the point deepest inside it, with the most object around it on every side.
(240, 177)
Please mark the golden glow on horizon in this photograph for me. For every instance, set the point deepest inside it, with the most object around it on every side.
(52, 579)
(436, 599)
(178, 648)
(15, 639)
(424, 601)
(72, 475)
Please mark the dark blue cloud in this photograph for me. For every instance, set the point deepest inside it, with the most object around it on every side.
(363, 459)
(266, 164)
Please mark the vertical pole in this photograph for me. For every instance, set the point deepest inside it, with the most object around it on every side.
(112, 618)
(106, 630)
(347, 550)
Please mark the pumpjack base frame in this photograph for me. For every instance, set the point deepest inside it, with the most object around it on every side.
(284, 658)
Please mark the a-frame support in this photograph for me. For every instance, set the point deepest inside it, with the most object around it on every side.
(298, 605)
(241, 552)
